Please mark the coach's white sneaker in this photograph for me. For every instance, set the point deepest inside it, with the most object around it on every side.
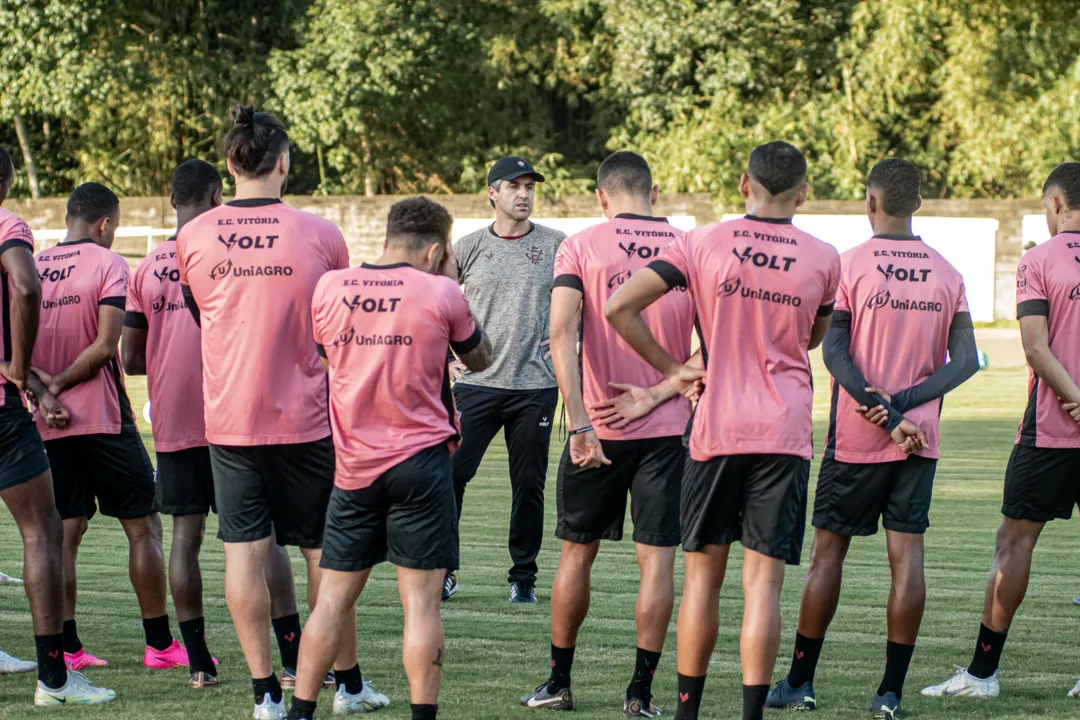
(9, 579)
(964, 684)
(76, 691)
(367, 700)
(1075, 692)
(270, 710)
(10, 665)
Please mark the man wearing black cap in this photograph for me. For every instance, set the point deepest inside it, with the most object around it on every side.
(506, 270)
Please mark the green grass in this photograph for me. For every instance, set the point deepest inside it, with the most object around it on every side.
(496, 652)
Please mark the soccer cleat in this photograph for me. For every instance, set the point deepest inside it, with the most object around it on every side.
(1075, 692)
(886, 707)
(76, 691)
(288, 679)
(9, 665)
(82, 659)
(449, 586)
(964, 684)
(367, 700)
(560, 699)
(9, 579)
(202, 679)
(173, 656)
(784, 696)
(270, 710)
(1076, 600)
(635, 708)
(522, 592)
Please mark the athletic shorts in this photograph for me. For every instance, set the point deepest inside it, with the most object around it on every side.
(114, 470)
(22, 454)
(759, 500)
(407, 516)
(284, 488)
(185, 482)
(1042, 484)
(852, 496)
(592, 501)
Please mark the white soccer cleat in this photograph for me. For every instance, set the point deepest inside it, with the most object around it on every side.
(9, 579)
(10, 665)
(270, 710)
(76, 691)
(1075, 692)
(367, 700)
(964, 684)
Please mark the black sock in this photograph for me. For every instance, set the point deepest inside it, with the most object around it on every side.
(424, 712)
(301, 709)
(51, 669)
(690, 689)
(158, 635)
(562, 659)
(753, 701)
(267, 685)
(804, 660)
(987, 652)
(72, 643)
(644, 668)
(897, 659)
(287, 630)
(193, 632)
(351, 679)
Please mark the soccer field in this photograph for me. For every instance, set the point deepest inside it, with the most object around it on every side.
(497, 651)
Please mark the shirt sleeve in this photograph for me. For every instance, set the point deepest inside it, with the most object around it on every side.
(1031, 296)
(181, 256)
(339, 251)
(135, 315)
(318, 313)
(464, 334)
(674, 265)
(568, 268)
(114, 284)
(832, 287)
(18, 235)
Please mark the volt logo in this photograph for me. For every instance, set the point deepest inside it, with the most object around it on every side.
(370, 305)
(56, 274)
(163, 274)
(246, 242)
(904, 274)
(879, 300)
(643, 252)
(763, 260)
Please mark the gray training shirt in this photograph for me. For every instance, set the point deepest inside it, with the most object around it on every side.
(508, 284)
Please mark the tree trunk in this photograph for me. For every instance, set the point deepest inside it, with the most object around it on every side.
(28, 157)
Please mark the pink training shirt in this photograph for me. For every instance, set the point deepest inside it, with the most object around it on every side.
(251, 267)
(758, 285)
(14, 232)
(596, 262)
(76, 278)
(1048, 284)
(385, 330)
(902, 296)
(173, 351)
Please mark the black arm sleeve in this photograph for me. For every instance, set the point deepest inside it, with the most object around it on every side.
(136, 320)
(963, 363)
(189, 300)
(836, 350)
(669, 273)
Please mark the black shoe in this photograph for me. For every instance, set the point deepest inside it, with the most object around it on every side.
(449, 586)
(886, 707)
(635, 708)
(523, 592)
(783, 695)
(543, 698)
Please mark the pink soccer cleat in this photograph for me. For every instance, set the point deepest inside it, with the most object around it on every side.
(173, 656)
(82, 659)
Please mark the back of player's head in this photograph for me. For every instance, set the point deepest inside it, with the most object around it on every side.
(91, 202)
(194, 182)
(624, 172)
(898, 182)
(1066, 179)
(417, 222)
(777, 166)
(7, 168)
(255, 143)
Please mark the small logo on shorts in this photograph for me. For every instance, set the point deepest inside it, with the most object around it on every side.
(544, 422)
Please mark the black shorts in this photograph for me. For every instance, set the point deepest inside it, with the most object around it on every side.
(592, 501)
(22, 454)
(284, 488)
(113, 469)
(407, 516)
(759, 500)
(1042, 484)
(185, 482)
(852, 496)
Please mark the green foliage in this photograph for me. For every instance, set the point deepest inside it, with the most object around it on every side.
(402, 96)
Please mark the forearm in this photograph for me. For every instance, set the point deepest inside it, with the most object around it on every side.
(1053, 373)
(963, 364)
(25, 314)
(564, 358)
(86, 366)
(837, 356)
(632, 328)
(663, 391)
(134, 363)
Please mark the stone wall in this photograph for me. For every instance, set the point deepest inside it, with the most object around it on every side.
(362, 220)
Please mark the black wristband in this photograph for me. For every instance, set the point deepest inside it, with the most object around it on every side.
(582, 430)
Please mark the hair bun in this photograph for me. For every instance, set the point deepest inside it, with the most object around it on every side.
(244, 116)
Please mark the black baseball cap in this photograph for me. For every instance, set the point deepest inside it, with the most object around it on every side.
(510, 168)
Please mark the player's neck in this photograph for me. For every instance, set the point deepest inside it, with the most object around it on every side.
(629, 206)
(1069, 222)
(893, 226)
(258, 188)
(80, 230)
(395, 256)
(771, 210)
(507, 227)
